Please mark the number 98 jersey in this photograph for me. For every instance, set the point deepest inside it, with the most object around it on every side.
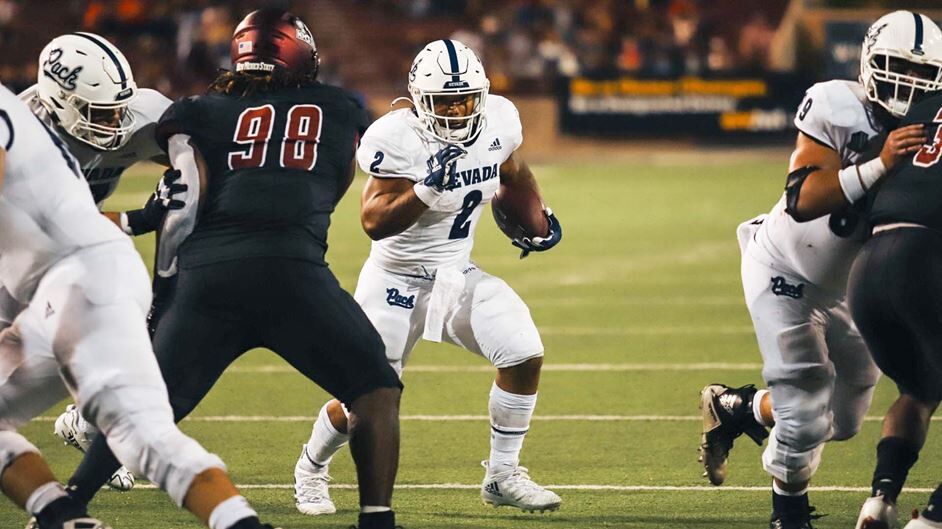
(397, 146)
(836, 115)
(278, 162)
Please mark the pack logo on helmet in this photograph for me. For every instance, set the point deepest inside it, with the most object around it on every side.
(60, 73)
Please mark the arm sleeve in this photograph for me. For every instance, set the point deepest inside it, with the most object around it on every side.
(175, 120)
(382, 155)
(818, 119)
(179, 223)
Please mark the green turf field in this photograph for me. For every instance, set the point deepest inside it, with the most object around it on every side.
(639, 307)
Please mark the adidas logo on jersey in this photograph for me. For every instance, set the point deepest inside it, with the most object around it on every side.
(781, 288)
(395, 299)
(495, 145)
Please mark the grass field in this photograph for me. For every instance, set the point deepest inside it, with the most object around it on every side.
(639, 307)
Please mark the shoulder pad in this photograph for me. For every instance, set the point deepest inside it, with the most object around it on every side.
(149, 105)
(502, 113)
(391, 148)
(829, 110)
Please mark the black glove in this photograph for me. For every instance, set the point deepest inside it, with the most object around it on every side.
(441, 168)
(165, 198)
(541, 244)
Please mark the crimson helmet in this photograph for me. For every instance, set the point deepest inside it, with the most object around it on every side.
(273, 38)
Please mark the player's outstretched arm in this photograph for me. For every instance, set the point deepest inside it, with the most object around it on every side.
(389, 206)
(817, 185)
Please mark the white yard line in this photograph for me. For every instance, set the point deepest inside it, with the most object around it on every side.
(586, 487)
(461, 418)
(579, 367)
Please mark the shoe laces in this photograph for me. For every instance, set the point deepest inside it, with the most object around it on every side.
(312, 486)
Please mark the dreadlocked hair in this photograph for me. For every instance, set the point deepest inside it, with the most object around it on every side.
(244, 84)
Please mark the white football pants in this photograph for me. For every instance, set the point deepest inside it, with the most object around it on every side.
(84, 333)
(815, 364)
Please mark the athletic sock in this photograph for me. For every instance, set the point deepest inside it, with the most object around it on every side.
(233, 513)
(757, 407)
(895, 456)
(787, 503)
(325, 440)
(377, 520)
(43, 496)
(96, 468)
(60, 510)
(510, 421)
(933, 511)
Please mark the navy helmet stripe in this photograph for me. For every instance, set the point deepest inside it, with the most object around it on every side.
(917, 46)
(114, 58)
(453, 57)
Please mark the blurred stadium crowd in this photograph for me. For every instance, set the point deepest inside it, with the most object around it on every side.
(176, 46)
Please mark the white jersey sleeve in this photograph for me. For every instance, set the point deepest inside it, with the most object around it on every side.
(504, 112)
(831, 113)
(147, 107)
(392, 148)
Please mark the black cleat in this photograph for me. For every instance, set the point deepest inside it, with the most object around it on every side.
(727, 414)
(800, 520)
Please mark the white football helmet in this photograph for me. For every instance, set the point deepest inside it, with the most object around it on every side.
(901, 59)
(442, 70)
(86, 85)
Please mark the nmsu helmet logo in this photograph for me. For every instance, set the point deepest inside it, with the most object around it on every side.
(58, 72)
(303, 33)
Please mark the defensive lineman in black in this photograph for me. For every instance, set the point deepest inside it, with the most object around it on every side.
(272, 152)
(894, 290)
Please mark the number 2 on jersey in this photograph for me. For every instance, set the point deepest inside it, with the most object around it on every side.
(462, 226)
(298, 143)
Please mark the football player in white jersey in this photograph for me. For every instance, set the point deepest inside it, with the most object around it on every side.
(795, 265)
(85, 91)
(432, 170)
(82, 332)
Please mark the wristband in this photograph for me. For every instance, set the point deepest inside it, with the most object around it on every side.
(426, 194)
(856, 179)
(123, 219)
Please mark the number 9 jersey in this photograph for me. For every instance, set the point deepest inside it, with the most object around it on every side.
(835, 114)
(278, 163)
(397, 145)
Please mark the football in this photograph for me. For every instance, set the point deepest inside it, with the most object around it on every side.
(518, 212)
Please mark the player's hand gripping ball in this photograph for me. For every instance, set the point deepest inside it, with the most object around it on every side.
(521, 215)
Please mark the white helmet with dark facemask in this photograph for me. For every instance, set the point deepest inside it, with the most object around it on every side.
(86, 85)
(445, 72)
(901, 59)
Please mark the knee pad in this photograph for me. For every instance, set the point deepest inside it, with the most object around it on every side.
(144, 438)
(850, 405)
(12, 446)
(788, 464)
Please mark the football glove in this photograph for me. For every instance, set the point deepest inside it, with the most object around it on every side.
(541, 244)
(441, 168)
(166, 197)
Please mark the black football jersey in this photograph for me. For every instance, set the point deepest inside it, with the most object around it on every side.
(278, 164)
(912, 192)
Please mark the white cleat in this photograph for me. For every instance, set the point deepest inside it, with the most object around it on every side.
(878, 513)
(516, 489)
(74, 430)
(32, 524)
(311, 493)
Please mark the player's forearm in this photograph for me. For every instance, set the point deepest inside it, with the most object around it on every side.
(114, 217)
(388, 214)
(820, 195)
